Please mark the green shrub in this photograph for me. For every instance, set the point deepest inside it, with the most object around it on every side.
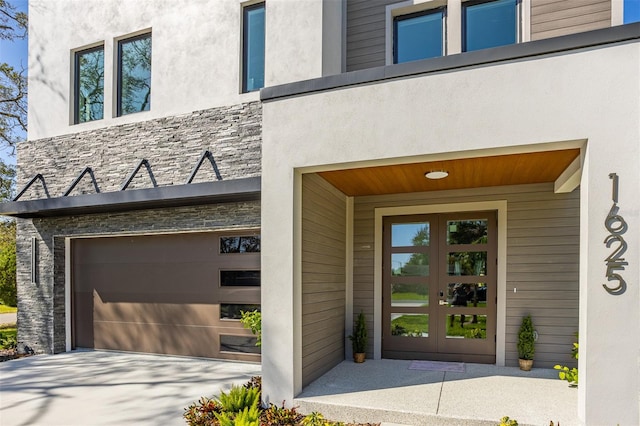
(228, 407)
(8, 337)
(239, 398)
(526, 339)
(506, 421)
(317, 419)
(8, 293)
(253, 321)
(249, 416)
(359, 337)
(566, 373)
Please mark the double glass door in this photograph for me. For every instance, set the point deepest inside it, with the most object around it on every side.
(439, 287)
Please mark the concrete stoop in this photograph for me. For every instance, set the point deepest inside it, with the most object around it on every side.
(387, 417)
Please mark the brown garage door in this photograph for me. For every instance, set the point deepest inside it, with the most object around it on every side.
(175, 294)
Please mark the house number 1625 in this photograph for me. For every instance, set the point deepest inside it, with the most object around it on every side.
(616, 225)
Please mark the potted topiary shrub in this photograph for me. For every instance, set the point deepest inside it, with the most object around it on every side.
(359, 338)
(526, 344)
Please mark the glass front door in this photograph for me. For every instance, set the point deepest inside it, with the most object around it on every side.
(439, 287)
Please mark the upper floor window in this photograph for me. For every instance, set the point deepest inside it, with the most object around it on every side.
(89, 85)
(489, 24)
(253, 20)
(418, 36)
(134, 74)
(631, 11)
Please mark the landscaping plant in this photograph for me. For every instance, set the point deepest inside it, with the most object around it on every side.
(359, 337)
(202, 413)
(317, 419)
(275, 415)
(8, 337)
(526, 339)
(506, 421)
(566, 373)
(253, 321)
(239, 398)
(241, 407)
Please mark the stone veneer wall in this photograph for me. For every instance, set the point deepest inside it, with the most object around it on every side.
(172, 145)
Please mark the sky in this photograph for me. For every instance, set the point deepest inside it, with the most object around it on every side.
(15, 53)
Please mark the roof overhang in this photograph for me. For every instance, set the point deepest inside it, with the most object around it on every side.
(223, 191)
(561, 167)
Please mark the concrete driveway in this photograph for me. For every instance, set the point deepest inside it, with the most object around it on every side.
(110, 388)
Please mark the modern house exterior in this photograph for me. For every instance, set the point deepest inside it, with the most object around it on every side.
(446, 167)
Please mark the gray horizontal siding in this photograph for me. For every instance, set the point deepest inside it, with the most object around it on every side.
(542, 260)
(323, 277)
(553, 18)
(549, 18)
(366, 33)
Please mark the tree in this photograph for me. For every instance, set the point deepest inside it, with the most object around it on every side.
(13, 83)
(13, 125)
(8, 295)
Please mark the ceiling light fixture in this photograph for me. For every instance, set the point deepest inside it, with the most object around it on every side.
(436, 174)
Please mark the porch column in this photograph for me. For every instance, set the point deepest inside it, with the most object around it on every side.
(609, 364)
(280, 266)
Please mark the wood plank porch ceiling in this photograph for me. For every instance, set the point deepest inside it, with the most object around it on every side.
(512, 169)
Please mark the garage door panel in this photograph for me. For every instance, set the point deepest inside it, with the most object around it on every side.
(166, 283)
(167, 339)
(162, 294)
(162, 313)
(147, 277)
(174, 248)
(156, 338)
(83, 318)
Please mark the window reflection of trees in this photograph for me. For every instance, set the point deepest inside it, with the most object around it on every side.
(418, 263)
(135, 75)
(90, 85)
(244, 244)
(467, 232)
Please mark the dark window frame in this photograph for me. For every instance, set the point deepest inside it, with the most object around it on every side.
(463, 20)
(431, 11)
(76, 82)
(245, 41)
(257, 306)
(221, 281)
(256, 350)
(240, 237)
(119, 70)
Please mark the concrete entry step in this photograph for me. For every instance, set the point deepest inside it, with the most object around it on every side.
(388, 391)
(384, 416)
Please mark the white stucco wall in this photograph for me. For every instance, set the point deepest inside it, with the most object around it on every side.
(304, 40)
(196, 53)
(591, 94)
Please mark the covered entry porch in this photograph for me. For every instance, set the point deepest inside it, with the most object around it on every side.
(524, 217)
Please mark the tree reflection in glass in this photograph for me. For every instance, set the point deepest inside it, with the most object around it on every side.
(467, 231)
(135, 74)
(90, 85)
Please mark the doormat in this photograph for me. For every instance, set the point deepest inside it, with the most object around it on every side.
(456, 367)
